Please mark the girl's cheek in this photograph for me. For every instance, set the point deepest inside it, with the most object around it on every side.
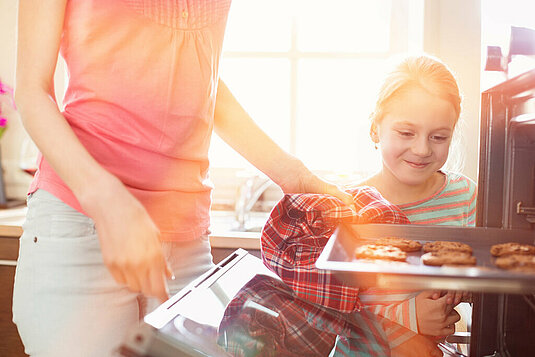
(442, 150)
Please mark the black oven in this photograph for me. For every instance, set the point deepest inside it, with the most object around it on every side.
(504, 324)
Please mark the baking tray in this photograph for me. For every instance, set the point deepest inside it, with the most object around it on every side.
(338, 257)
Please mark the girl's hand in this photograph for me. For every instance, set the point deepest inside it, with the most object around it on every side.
(129, 241)
(306, 182)
(417, 346)
(454, 297)
(435, 317)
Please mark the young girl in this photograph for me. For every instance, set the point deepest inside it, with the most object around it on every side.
(416, 113)
(413, 123)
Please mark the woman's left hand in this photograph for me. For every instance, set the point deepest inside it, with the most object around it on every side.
(307, 182)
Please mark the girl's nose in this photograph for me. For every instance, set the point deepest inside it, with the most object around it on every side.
(421, 147)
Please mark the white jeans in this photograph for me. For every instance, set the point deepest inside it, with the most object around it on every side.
(65, 302)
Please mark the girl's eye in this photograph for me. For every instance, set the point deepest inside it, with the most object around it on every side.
(439, 138)
(405, 133)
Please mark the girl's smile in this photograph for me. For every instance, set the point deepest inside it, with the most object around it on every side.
(416, 165)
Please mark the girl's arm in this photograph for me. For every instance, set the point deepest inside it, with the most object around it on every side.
(236, 128)
(129, 238)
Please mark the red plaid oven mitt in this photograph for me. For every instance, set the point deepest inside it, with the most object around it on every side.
(298, 229)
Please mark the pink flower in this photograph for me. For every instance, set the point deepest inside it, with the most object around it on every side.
(7, 91)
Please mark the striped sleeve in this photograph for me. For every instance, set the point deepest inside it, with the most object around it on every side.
(454, 205)
(397, 306)
(472, 203)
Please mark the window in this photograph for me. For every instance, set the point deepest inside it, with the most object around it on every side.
(307, 71)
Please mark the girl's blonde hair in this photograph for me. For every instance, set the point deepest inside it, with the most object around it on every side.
(424, 72)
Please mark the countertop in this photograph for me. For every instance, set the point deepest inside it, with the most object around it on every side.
(11, 220)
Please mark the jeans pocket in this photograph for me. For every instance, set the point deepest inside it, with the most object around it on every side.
(72, 225)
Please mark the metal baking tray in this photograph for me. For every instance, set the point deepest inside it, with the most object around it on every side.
(338, 257)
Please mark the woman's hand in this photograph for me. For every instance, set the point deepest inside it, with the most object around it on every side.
(306, 182)
(129, 241)
(417, 346)
(435, 317)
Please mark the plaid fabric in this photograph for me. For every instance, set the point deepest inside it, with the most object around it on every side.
(266, 318)
(292, 240)
(299, 227)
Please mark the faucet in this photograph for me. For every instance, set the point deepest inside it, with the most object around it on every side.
(248, 194)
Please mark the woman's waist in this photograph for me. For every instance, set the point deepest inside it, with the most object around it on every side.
(178, 215)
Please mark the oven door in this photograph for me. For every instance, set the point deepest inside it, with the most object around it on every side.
(187, 324)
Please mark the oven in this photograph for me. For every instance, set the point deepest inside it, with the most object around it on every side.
(505, 323)
(503, 306)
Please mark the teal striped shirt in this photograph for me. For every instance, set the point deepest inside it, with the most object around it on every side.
(454, 204)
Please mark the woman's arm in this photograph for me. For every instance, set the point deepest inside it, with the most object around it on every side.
(40, 28)
(236, 128)
(129, 238)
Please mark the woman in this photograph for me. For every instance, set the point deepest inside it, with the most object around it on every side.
(124, 165)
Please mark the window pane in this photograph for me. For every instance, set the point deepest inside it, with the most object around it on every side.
(258, 25)
(343, 26)
(335, 100)
(262, 86)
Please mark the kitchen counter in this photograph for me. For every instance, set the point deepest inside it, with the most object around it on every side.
(11, 226)
(11, 220)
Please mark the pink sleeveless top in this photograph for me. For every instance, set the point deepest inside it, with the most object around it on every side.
(142, 86)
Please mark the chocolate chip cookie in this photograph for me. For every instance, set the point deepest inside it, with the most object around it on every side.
(517, 262)
(384, 252)
(448, 257)
(405, 245)
(499, 250)
(447, 246)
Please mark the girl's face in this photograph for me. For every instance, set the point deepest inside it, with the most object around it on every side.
(415, 135)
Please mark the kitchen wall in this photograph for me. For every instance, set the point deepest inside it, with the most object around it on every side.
(451, 28)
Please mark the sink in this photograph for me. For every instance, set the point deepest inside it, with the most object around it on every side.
(225, 221)
(249, 229)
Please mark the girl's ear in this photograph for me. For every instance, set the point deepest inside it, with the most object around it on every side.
(373, 133)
